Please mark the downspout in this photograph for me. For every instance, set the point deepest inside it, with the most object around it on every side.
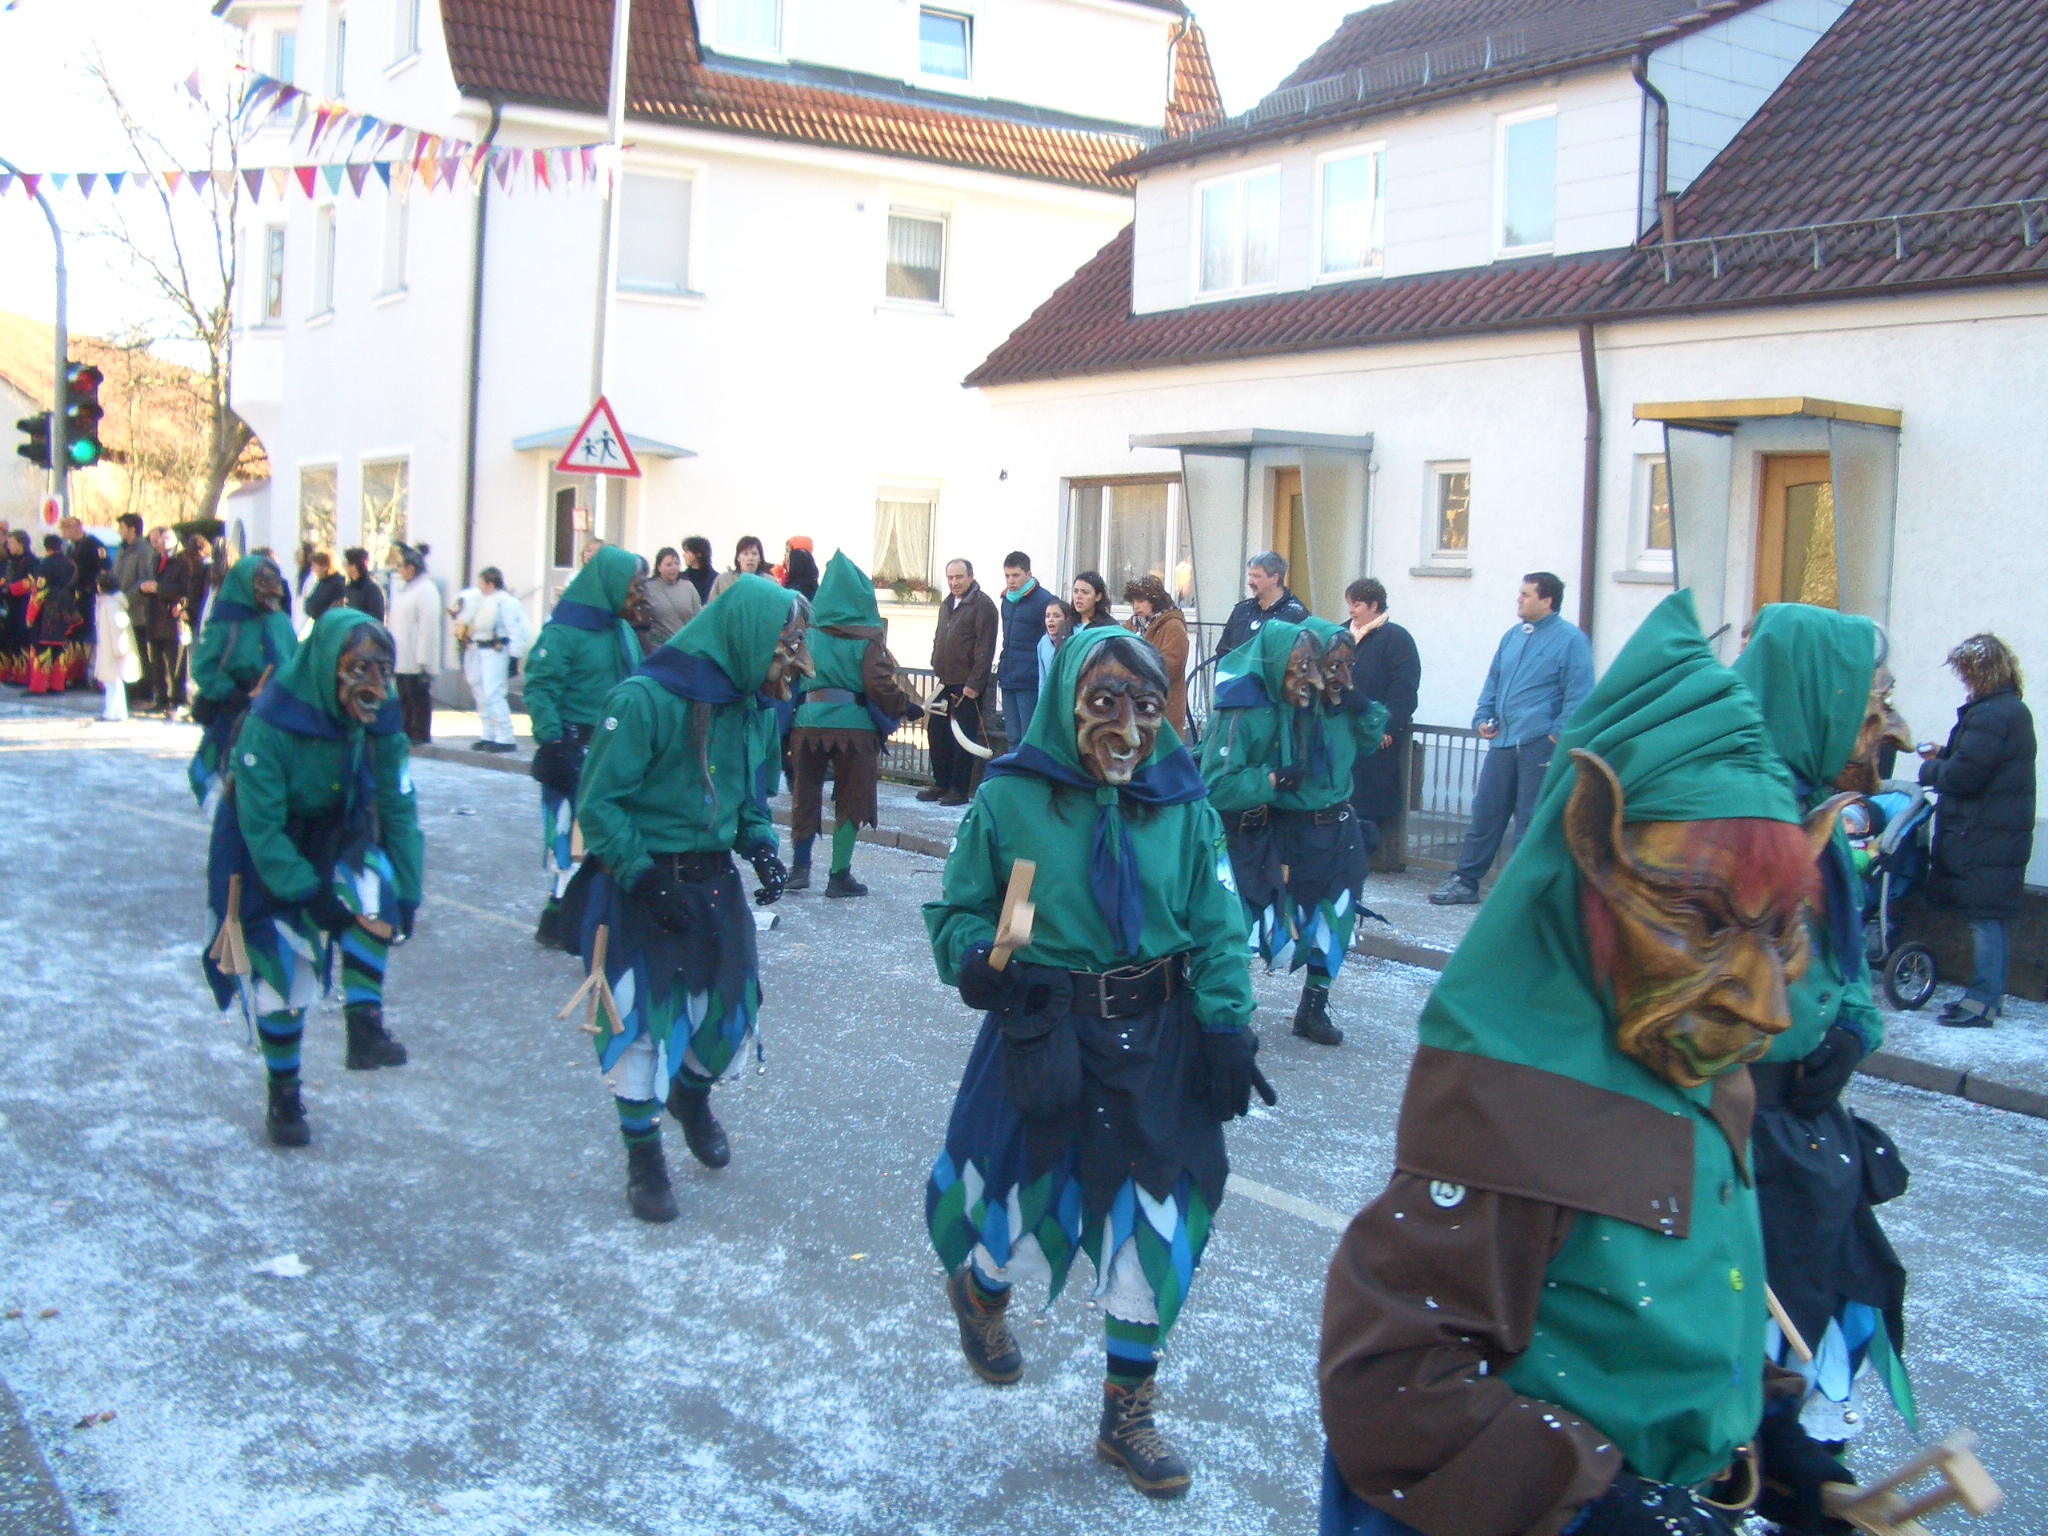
(476, 352)
(1589, 516)
(1667, 205)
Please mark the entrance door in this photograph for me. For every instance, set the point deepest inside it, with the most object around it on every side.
(1795, 546)
(1290, 528)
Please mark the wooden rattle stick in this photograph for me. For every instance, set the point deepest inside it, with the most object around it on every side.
(1785, 1325)
(595, 989)
(1881, 1510)
(575, 841)
(230, 951)
(1013, 927)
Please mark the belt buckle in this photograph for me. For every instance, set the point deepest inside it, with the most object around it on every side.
(1102, 994)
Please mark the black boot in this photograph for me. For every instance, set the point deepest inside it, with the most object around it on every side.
(1129, 1439)
(286, 1117)
(798, 879)
(369, 1044)
(702, 1133)
(985, 1337)
(1312, 1017)
(647, 1187)
(843, 884)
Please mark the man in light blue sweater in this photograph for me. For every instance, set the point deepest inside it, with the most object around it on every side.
(1541, 673)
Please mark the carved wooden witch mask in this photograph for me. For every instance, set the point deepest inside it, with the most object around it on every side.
(1881, 724)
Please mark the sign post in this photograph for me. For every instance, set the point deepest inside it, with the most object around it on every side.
(599, 449)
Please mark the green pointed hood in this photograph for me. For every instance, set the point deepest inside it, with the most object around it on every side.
(738, 629)
(846, 598)
(240, 585)
(1052, 726)
(1685, 737)
(603, 582)
(1264, 656)
(1810, 669)
(309, 675)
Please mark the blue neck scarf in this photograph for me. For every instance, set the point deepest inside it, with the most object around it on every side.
(597, 620)
(696, 678)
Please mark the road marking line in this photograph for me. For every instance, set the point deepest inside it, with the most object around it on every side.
(463, 906)
(1293, 1205)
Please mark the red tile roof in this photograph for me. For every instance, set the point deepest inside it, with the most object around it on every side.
(557, 53)
(1197, 102)
(1904, 109)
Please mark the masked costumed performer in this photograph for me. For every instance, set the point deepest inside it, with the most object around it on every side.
(1552, 1319)
(1115, 1043)
(1822, 682)
(247, 635)
(587, 647)
(852, 705)
(319, 822)
(675, 782)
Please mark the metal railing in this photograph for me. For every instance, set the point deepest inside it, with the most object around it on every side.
(907, 755)
(1443, 776)
(1892, 237)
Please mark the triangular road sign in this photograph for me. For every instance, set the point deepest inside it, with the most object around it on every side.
(599, 447)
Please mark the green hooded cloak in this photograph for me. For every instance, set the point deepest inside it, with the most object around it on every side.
(1190, 903)
(1655, 1339)
(1810, 669)
(1247, 740)
(684, 771)
(1340, 737)
(239, 639)
(283, 775)
(571, 668)
(844, 620)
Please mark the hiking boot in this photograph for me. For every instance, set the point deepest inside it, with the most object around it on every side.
(951, 798)
(1312, 1018)
(843, 884)
(985, 1340)
(369, 1044)
(1963, 1013)
(647, 1187)
(286, 1117)
(1129, 1439)
(931, 794)
(702, 1133)
(1455, 892)
(798, 879)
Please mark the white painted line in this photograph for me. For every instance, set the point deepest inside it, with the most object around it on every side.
(1293, 1205)
(495, 917)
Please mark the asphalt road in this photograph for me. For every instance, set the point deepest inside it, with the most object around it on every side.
(483, 1340)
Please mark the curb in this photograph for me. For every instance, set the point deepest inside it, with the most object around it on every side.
(30, 1502)
(1887, 1065)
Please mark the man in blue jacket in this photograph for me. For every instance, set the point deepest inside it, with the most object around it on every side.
(1541, 673)
(1023, 609)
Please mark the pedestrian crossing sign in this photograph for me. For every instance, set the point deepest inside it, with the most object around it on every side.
(599, 447)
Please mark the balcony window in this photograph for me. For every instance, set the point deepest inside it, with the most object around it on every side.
(1527, 159)
(754, 26)
(654, 234)
(944, 45)
(1240, 234)
(1352, 214)
(917, 258)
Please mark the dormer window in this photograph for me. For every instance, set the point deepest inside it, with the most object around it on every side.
(751, 26)
(1240, 249)
(1351, 215)
(1525, 171)
(944, 44)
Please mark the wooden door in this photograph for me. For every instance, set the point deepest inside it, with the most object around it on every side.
(1290, 529)
(1795, 545)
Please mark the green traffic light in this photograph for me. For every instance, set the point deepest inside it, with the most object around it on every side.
(83, 453)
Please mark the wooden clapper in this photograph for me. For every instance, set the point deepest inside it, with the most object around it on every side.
(1889, 1509)
(230, 951)
(596, 991)
(1013, 927)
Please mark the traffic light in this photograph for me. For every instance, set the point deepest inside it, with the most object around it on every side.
(82, 415)
(37, 449)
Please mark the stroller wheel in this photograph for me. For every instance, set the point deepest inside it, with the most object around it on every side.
(1909, 976)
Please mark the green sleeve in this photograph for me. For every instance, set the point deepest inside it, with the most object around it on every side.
(1368, 725)
(208, 655)
(1860, 1011)
(764, 772)
(1238, 759)
(262, 800)
(1217, 968)
(284, 644)
(543, 667)
(398, 821)
(971, 896)
(621, 752)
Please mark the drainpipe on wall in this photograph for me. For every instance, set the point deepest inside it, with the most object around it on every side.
(1589, 517)
(476, 350)
(1667, 205)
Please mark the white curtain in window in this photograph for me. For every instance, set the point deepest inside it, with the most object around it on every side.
(1262, 230)
(917, 258)
(654, 234)
(753, 24)
(385, 492)
(316, 507)
(1137, 536)
(903, 541)
(1219, 238)
(1352, 220)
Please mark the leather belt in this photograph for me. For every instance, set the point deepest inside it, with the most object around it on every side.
(834, 696)
(1253, 820)
(497, 644)
(694, 866)
(1131, 990)
(1327, 817)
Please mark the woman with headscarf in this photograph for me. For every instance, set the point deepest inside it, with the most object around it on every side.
(247, 637)
(747, 556)
(54, 622)
(18, 572)
(1090, 603)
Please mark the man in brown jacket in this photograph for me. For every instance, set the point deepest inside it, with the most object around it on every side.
(963, 652)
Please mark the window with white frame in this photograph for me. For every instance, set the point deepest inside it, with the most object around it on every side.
(1127, 529)
(1351, 213)
(271, 306)
(752, 25)
(1525, 161)
(1240, 222)
(917, 257)
(323, 259)
(1449, 513)
(405, 41)
(317, 503)
(395, 220)
(1653, 541)
(337, 52)
(654, 234)
(386, 489)
(284, 53)
(945, 44)
(903, 540)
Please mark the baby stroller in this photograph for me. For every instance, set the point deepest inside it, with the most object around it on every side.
(1891, 835)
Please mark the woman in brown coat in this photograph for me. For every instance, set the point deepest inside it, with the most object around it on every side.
(1156, 618)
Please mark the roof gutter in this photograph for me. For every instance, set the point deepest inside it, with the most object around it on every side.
(1589, 516)
(1667, 205)
(476, 351)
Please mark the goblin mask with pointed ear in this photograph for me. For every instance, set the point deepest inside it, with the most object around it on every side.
(1698, 926)
(1119, 704)
(792, 658)
(637, 611)
(1881, 724)
(1336, 668)
(362, 674)
(269, 585)
(1303, 679)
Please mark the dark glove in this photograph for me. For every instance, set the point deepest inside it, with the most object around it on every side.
(984, 988)
(1632, 1506)
(656, 897)
(555, 766)
(770, 871)
(406, 909)
(1287, 780)
(330, 911)
(1795, 1470)
(1825, 1071)
(1228, 1071)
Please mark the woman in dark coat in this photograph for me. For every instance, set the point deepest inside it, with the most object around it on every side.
(1984, 831)
(18, 571)
(1386, 670)
(361, 591)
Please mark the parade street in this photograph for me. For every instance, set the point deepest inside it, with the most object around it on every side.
(442, 1316)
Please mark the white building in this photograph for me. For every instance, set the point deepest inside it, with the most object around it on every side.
(831, 210)
(1370, 323)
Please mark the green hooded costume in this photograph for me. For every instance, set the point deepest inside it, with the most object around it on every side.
(1831, 1266)
(239, 643)
(1565, 1275)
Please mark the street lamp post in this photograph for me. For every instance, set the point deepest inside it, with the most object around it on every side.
(60, 450)
(608, 246)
